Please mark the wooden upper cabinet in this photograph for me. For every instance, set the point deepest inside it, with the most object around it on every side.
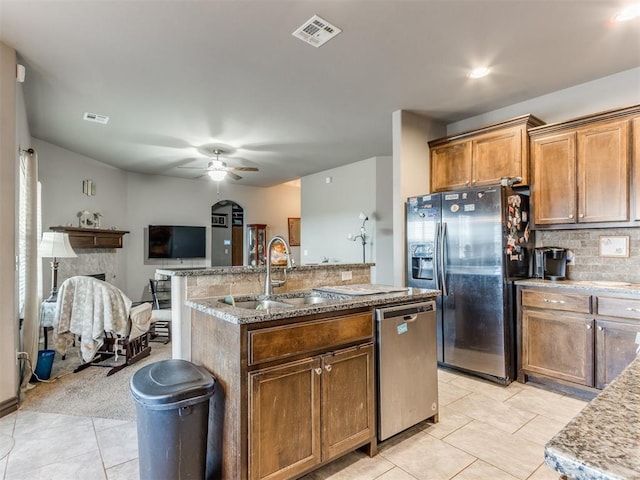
(554, 188)
(482, 157)
(451, 167)
(582, 170)
(603, 173)
(498, 155)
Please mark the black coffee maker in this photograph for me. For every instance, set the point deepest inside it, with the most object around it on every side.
(550, 263)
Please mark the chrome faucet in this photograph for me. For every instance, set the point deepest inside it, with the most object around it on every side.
(268, 283)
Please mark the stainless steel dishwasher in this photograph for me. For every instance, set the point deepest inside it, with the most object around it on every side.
(407, 366)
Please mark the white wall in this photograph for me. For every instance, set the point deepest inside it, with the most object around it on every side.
(614, 91)
(411, 175)
(166, 200)
(10, 110)
(61, 173)
(131, 201)
(330, 212)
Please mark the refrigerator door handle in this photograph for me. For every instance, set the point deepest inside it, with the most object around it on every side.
(442, 270)
(436, 255)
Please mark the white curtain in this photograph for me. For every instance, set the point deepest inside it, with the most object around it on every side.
(29, 262)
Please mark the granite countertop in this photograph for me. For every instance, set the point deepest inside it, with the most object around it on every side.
(216, 307)
(198, 271)
(600, 285)
(603, 441)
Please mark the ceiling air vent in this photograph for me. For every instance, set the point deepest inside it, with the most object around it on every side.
(94, 117)
(316, 31)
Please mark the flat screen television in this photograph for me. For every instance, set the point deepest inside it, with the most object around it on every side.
(175, 241)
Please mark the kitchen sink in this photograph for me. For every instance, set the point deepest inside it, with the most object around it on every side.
(286, 300)
(262, 304)
(307, 300)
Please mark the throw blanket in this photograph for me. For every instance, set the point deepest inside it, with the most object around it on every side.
(89, 307)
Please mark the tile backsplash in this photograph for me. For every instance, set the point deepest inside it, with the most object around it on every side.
(588, 264)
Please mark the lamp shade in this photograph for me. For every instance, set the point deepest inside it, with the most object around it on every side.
(56, 245)
(217, 175)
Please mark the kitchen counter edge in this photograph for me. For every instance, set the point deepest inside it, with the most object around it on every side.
(199, 271)
(603, 440)
(213, 306)
(633, 288)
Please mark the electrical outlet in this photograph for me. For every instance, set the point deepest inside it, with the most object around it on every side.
(347, 276)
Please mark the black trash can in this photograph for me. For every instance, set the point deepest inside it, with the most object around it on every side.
(172, 407)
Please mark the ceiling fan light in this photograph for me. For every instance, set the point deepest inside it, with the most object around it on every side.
(217, 175)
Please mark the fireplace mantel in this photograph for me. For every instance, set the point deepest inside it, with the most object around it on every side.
(92, 237)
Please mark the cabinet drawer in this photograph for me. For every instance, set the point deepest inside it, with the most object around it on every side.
(619, 307)
(268, 344)
(556, 301)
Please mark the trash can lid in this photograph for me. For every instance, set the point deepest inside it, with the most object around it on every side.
(170, 381)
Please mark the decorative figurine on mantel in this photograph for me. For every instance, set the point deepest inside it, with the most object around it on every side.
(85, 219)
(97, 217)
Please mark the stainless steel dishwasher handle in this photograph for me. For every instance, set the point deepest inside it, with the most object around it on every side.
(410, 318)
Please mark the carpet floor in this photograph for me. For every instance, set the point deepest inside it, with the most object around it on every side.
(89, 392)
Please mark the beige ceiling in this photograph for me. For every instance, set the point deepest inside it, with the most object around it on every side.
(177, 78)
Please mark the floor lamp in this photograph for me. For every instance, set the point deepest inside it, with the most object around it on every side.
(55, 245)
(362, 236)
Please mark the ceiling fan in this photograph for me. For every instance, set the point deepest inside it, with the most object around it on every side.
(218, 170)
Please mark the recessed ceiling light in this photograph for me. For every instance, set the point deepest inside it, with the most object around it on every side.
(629, 13)
(479, 72)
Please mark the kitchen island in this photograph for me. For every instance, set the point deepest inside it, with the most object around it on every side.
(603, 441)
(206, 282)
(294, 379)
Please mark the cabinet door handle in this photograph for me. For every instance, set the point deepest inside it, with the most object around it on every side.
(631, 309)
(327, 368)
(600, 328)
(570, 216)
(582, 215)
(467, 182)
(318, 370)
(589, 327)
(473, 181)
(548, 300)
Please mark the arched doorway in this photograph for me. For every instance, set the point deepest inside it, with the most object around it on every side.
(227, 234)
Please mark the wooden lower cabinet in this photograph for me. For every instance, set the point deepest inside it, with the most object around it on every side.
(348, 413)
(284, 434)
(558, 345)
(584, 338)
(309, 411)
(615, 349)
(291, 394)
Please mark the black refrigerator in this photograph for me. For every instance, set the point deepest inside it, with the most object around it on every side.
(472, 245)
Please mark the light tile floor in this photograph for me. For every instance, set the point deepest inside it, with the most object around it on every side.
(486, 431)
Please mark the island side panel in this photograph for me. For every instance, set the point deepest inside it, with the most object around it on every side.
(217, 346)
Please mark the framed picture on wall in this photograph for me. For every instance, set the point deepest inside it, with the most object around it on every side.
(294, 231)
(614, 246)
(218, 219)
